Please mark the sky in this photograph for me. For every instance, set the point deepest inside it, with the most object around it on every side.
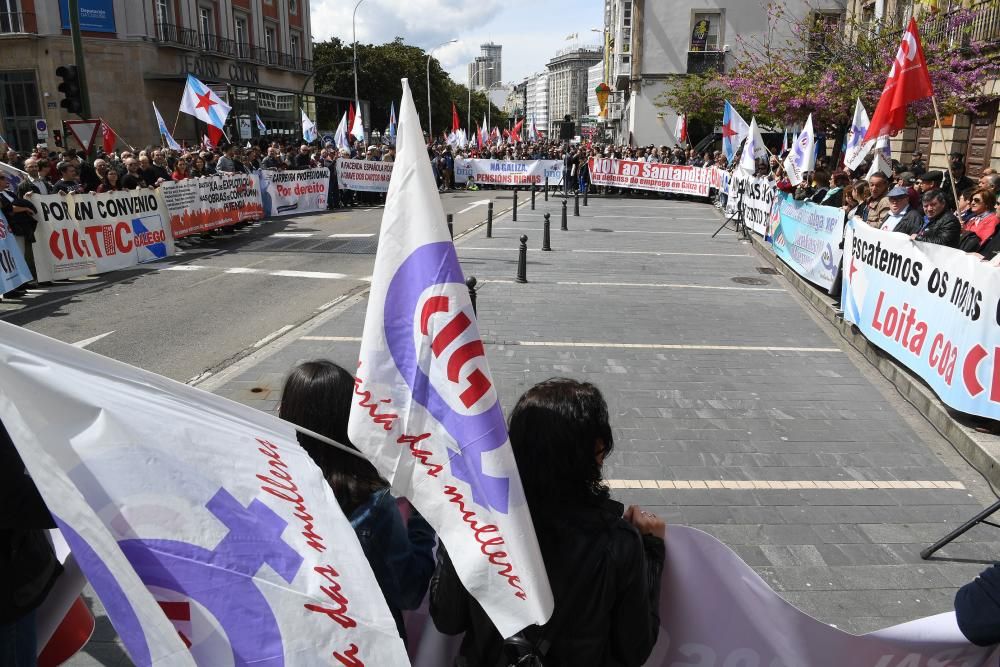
(530, 31)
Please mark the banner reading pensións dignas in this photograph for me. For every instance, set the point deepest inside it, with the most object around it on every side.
(654, 176)
(202, 204)
(807, 237)
(80, 235)
(508, 172)
(935, 309)
(292, 192)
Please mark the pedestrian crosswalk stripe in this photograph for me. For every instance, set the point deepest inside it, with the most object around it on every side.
(783, 485)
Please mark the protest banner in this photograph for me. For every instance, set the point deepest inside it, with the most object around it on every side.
(293, 192)
(508, 172)
(202, 204)
(653, 176)
(363, 175)
(13, 269)
(203, 526)
(935, 309)
(752, 197)
(426, 412)
(807, 236)
(85, 234)
(716, 610)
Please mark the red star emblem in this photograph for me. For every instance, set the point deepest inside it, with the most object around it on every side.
(728, 131)
(204, 101)
(850, 275)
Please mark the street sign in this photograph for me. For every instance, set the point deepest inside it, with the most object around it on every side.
(41, 128)
(84, 131)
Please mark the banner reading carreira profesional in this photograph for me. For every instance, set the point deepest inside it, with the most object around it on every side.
(678, 179)
(293, 192)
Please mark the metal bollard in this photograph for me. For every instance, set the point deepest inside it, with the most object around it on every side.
(471, 284)
(522, 261)
(489, 220)
(451, 226)
(546, 188)
(564, 227)
(576, 203)
(546, 241)
(514, 214)
(585, 193)
(532, 196)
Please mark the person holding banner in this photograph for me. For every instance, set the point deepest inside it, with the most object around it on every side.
(604, 563)
(317, 396)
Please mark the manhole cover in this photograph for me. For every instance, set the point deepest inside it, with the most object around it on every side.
(600, 229)
(767, 270)
(359, 247)
(749, 281)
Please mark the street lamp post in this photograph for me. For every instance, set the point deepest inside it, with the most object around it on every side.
(489, 104)
(430, 132)
(354, 35)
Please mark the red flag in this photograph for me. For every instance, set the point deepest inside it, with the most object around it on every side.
(108, 136)
(454, 118)
(214, 134)
(908, 81)
(515, 134)
(350, 117)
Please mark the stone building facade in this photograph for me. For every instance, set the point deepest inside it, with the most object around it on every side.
(256, 54)
(567, 85)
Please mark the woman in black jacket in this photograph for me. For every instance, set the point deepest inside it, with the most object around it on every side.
(604, 563)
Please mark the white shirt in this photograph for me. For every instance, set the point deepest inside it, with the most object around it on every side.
(893, 219)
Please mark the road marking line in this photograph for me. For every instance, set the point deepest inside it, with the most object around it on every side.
(308, 274)
(628, 346)
(783, 485)
(271, 336)
(614, 252)
(351, 236)
(291, 235)
(88, 341)
(182, 267)
(622, 231)
(670, 285)
(481, 202)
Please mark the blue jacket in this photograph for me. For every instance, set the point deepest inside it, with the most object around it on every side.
(400, 554)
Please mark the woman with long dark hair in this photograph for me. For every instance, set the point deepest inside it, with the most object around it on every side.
(604, 562)
(317, 396)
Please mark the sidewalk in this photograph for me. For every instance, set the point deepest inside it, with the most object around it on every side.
(736, 409)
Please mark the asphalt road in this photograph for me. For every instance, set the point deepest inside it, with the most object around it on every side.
(221, 298)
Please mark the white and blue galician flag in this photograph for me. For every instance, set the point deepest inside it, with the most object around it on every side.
(205, 529)
(426, 411)
(753, 149)
(734, 131)
(171, 142)
(392, 122)
(802, 157)
(308, 128)
(14, 270)
(201, 102)
(857, 148)
(260, 124)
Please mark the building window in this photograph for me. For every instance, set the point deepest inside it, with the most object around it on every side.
(293, 7)
(206, 24)
(271, 44)
(293, 46)
(19, 108)
(242, 37)
(705, 31)
(162, 18)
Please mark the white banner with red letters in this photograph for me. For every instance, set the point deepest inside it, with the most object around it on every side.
(935, 309)
(654, 176)
(85, 234)
(292, 192)
(208, 533)
(200, 204)
(363, 175)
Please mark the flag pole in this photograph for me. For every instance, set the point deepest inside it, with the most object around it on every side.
(951, 176)
(130, 147)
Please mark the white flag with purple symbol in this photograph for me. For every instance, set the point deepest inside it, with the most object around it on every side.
(205, 529)
(802, 157)
(857, 148)
(426, 411)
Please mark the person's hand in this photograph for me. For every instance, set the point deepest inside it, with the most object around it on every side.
(645, 522)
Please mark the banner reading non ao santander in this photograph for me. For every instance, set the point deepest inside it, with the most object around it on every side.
(807, 237)
(509, 172)
(80, 235)
(201, 204)
(753, 197)
(293, 192)
(934, 309)
(363, 175)
(677, 179)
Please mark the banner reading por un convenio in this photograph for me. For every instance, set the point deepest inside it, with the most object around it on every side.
(654, 176)
(293, 192)
(935, 309)
(201, 204)
(80, 235)
(509, 172)
(363, 175)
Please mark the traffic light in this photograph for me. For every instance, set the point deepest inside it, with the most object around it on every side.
(70, 88)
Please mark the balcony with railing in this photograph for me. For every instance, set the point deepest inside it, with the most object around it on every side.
(169, 33)
(700, 62)
(17, 23)
(214, 44)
